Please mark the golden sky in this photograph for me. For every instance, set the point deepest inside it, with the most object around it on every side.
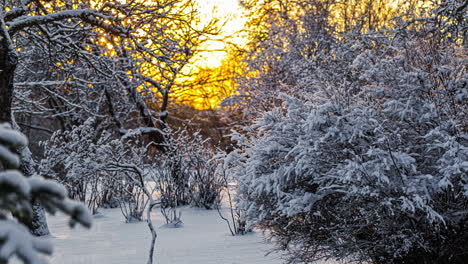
(228, 11)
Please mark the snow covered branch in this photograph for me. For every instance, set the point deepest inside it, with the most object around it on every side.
(16, 195)
(91, 16)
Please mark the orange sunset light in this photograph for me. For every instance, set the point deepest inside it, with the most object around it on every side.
(231, 14)
(212, 53)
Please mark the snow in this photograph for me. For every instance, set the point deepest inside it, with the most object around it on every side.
(38, 184)
(13, 178)
(8, 156)
(140, 131)
(203, 239)
(11, 137)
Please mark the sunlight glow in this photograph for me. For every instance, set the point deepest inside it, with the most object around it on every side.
(213, 54)
(231, 14)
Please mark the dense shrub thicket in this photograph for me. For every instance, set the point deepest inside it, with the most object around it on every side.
(94, 165)
(366, 156)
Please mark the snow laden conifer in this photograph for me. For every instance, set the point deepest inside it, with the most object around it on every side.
(16, 192)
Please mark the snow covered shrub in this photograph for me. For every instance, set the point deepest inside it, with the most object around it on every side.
(205, 184)
(119, 159)
(359, 182)
(71, 158)
(130, 198)
(171, 177)
(128, 159)
(172, 171)
(185, 174)
(79, 159)
(16, 193)
(226, 170)
(186, 171)
(169, 191)
(369, 161)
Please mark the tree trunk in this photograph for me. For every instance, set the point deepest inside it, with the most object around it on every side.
(37, 224)
(8, 64)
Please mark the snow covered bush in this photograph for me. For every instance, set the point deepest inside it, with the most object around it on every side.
(128, 159)
(183, 174)
(172, 172)
(16, 193)
(367, 157)
(205, 184)
(228, 173)
(72, 158)
(186, 172)
(360, 182)
(120, 166)
(120, 158)
(80, 159)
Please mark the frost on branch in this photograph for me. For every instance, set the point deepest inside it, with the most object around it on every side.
(16, 192)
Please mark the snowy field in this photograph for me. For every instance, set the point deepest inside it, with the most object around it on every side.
(204, 239)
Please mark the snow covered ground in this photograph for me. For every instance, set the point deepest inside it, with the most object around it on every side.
(204, 239)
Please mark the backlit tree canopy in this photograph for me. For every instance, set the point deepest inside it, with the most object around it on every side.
(78, 58)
